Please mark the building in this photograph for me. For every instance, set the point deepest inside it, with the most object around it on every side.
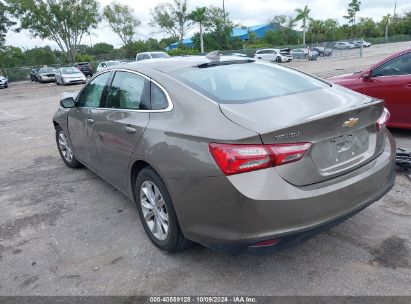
(242, 33)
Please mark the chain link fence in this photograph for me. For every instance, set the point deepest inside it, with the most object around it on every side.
(332, 49)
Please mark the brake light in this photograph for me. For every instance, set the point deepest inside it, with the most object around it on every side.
(383, 120)
(234, 159)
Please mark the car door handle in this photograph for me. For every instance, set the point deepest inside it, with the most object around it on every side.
(90, 121)
(129, 130)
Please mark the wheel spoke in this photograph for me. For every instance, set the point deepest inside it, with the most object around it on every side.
(149, 215)
(146, 204)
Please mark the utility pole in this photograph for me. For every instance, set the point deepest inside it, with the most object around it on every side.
(224, 12)
(395, 9)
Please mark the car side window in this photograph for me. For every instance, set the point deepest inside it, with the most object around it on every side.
(400, 65)
(91, 95)
(158, 98)
(128, 91)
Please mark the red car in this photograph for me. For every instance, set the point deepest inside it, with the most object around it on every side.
(390, 80)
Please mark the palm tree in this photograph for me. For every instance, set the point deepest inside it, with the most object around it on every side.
(303, 15)
(386, 22)
(317, 28)
(199, 15)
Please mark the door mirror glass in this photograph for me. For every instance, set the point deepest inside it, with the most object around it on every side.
(68, 103)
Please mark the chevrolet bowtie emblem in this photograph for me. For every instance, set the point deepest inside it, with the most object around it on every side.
(351, 122)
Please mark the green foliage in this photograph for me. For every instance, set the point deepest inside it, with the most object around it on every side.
(122, 21)
(303, 15)
(172, 18)
(62, 21)
(353, 9)
(182, 51)
(84, 58)
(5, 23)
(100, 49)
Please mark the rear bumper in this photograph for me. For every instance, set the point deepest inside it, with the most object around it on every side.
(232, 213)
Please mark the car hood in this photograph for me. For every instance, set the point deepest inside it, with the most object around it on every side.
(2, 78)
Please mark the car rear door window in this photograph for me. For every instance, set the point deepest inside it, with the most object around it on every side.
(128, 91)
(91, 95)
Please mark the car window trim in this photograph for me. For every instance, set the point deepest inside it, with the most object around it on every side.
(170, 103)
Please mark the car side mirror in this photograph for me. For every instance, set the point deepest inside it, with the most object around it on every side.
(68, 103)
(366, 76)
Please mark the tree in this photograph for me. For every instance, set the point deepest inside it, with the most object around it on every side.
(100, 48)
(385, 22)
(122, 21)
(317, 28)
(172, 18)
(62, 21)
(5, 23)
(330, 27)
(199, 15)
(303, 15)
(368, 28)
(220, 26)
(353, 9)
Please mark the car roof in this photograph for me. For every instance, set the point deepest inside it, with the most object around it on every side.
(168, 65)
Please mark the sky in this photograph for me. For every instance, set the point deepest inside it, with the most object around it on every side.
(244, 12)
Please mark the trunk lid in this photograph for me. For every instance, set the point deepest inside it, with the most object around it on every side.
(339, 123)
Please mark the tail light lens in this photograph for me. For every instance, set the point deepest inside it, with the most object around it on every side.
(383, 120)
(234, 159)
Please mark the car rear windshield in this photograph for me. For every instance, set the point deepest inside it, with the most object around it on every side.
(247, 82)
(159, 55)
(47, 70)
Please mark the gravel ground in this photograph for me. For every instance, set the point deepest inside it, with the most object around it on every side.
(68, 232)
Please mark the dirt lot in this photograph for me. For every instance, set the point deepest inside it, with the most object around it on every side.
(67, 232)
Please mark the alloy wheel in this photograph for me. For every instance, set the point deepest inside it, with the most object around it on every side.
(154, 210)
(64, 147)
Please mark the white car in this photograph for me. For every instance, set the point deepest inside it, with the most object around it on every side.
(272, 55)
(151, 55)
(4, 82)
(343, 45)
(69, 75)
(106, 64)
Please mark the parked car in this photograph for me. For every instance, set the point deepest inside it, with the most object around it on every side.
(390, 80)
(105, 64)
(274, 55)
(237, 54)
(85, 67)
(323, 51)
(217, 150)
(342, 45)
(358, 43)
(69, 75)
(34, 75)
(151, 55)
(4, 82)
(303, 53)
(47, 74)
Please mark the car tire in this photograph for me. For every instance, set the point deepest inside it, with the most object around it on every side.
(57, 82)
(65, 149)
(278, 60)
(159, 221)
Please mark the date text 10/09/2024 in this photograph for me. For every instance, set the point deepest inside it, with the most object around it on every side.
(203, 299)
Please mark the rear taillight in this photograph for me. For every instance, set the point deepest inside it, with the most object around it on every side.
(383, 120)
(234, 159)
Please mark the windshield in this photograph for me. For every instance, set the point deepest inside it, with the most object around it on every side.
(111, 63)
(159, 55)
(247, 82)
(69, 71)
(47, 70)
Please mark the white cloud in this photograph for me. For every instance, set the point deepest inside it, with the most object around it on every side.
(244, 12)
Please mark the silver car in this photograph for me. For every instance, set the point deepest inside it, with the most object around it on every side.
(234, 153)
(69, 75)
